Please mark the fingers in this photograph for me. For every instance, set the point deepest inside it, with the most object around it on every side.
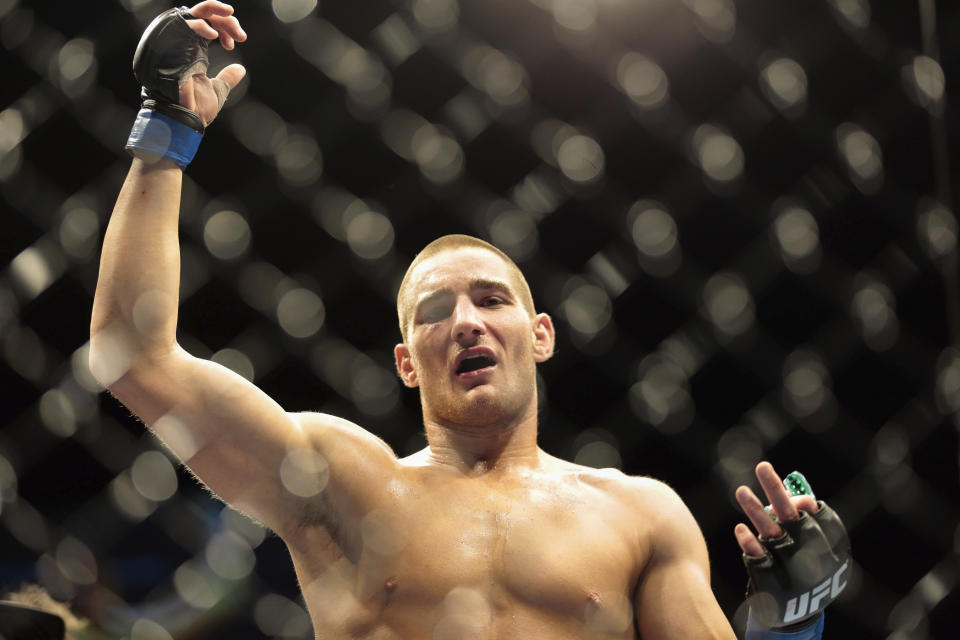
(747, 541)
(216, 20)
(232, 75)
(776, 493)
(209, 8)
(229, 29)
(785, 506)
(202, 29)
(805, 503)
(753, 508)
(227, 80)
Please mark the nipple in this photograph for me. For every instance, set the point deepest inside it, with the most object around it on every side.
(390, 585)
(610, 613)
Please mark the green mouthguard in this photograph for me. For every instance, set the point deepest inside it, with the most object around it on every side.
(796, 483)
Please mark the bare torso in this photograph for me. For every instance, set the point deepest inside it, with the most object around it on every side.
(549, 552)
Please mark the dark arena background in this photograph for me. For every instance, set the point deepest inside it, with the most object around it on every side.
(739, 214)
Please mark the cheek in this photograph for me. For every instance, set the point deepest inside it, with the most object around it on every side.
(426, 362)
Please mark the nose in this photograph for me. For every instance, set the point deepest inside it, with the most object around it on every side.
(467, 323)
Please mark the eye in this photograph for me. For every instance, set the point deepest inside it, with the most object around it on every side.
(435, 312)
(492, 301)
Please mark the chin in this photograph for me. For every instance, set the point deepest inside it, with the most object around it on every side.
(481, 408)
(481, 405)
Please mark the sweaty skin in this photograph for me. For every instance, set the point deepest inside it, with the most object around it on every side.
(540, 549)
(481, 534)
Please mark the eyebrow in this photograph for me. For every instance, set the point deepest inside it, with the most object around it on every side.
(482, 283)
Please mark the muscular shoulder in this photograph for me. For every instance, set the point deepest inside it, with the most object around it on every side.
(325, 429)
(659, 503)
(640, 493)
(651, 504)
(335, 466)
(674, 532)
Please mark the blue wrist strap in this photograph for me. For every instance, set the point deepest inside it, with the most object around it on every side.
(756, 632)
(156, 136)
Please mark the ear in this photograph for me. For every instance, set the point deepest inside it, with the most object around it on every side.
(405, 368)
(543, 337)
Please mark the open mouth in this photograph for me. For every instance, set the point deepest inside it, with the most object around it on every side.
(474, 363)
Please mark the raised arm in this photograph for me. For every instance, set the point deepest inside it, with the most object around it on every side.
(235, 438)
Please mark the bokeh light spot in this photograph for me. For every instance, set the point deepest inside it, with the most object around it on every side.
(76, 562)
(226, 235)
(581, 159)
(653, 229)
(937, 230)
(861, 152)
(144, 629)
(716, 19)
(79, 233)
(300, 312)
(436, 15)
(280, 617)
(784, 82)
(230, 556)
(32, 271)
(661, 396)
(154, 476)
(797, 236)
(235, 360)
(717, 153)
(57, 413)
(728, 304)
(304, 472)
(196, 586)
(515, 232)
(854, 13)
(293, 10)
(370, 235)
(872, 307)
(587, 307)
(643, 80)
(576, 15)
(299, 160)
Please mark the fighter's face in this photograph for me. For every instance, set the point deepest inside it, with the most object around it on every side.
(472, 347)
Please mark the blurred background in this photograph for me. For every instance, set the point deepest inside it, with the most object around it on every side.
(739, 214)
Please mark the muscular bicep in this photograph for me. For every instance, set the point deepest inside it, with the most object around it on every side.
(239, 442)
(673, 598)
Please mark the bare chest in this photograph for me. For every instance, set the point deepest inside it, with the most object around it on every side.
(553, 550)
(551, 553)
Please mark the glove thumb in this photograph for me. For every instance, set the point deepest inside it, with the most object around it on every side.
(226, 80)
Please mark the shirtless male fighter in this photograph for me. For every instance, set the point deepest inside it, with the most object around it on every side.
(479, 535)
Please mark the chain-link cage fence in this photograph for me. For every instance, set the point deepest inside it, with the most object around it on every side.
(738, 213)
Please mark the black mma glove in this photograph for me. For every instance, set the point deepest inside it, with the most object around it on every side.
(168, 53)
(802, 571)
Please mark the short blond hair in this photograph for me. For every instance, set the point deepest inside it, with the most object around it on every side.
(449, 243)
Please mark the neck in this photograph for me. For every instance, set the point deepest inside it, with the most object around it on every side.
(483, 448)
